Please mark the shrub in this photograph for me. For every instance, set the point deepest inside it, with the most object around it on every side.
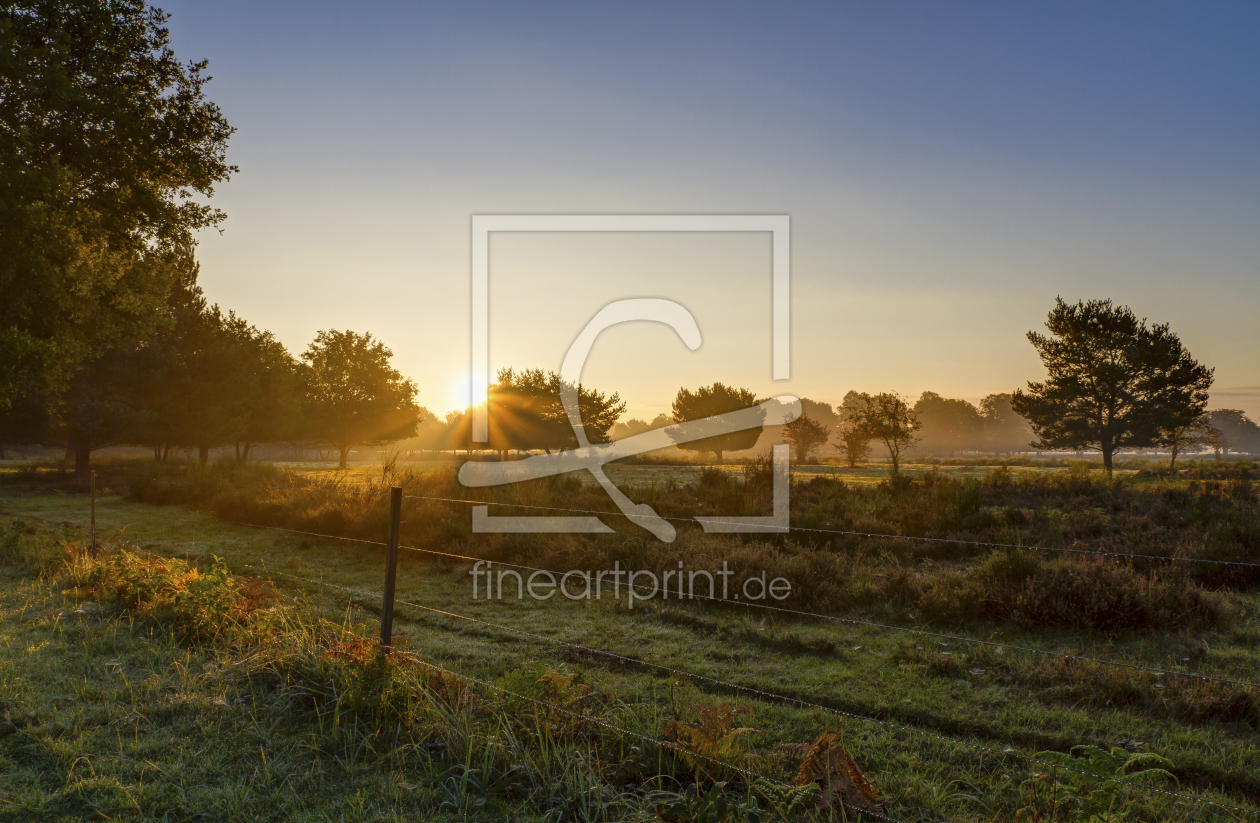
(207, 606)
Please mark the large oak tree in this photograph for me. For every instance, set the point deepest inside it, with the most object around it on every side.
(108, 148)
(1114, 382)
(354, 395)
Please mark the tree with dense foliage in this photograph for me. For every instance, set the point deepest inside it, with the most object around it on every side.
(888, 419)
(354, 396)
(949, 426)
(633, 426)
(821, 413)
(1114, 382)
(1004, 429)
(526, 412)
(804, 435)
(24, 423)
(1194, 436)
(852, 442)
(107, 145)
(1237, 432)
(274, 401)
(848, 406)
(218, 387)
(100, 408)
(708, 401)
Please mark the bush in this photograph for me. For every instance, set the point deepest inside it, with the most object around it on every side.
(207, 606)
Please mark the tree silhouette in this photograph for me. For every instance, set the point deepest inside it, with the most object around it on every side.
(804, 435)
(1114, 382)
(949, 426)
(354, 396)
(1237, 432)
(708, 401)
(1197, 434)
(633, 426)
(887, 418)
(1004, 429)
(853, 443)
(526, 412)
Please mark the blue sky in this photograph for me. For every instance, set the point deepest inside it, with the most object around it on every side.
(949, 169)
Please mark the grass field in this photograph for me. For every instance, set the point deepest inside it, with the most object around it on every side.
(107, 715)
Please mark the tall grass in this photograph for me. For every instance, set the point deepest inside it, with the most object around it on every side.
(540, 740)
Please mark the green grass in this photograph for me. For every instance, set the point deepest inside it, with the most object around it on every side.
(75, 710)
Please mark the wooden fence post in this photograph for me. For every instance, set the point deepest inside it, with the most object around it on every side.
(391, 569)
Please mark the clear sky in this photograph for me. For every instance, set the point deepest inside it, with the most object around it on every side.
(949, 169)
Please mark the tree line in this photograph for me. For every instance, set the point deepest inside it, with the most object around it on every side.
(208, 379)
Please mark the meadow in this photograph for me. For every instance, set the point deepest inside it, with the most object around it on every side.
(196, 667)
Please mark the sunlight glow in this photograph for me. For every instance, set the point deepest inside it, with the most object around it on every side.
(464, 394)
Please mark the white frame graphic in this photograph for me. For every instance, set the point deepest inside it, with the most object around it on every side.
(483, 225)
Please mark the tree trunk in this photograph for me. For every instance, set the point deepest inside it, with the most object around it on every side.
(1106, 456)
(717, 453)
(166, 451)
(244, 455)
(69, 461)
(344, 453)
(238, 451)
(203, 454)
(1172, 463)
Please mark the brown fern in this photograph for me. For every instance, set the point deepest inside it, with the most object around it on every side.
(840, 781)
(713, 735)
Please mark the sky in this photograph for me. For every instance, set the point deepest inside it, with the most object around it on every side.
(949, 169)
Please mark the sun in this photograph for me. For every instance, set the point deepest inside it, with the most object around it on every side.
(465, 394)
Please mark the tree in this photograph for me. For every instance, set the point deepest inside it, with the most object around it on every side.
(274, 402)
(1237, 432)
(633, 426)
(949, 426)
(708, 401)
(1004, 430)
(1199, 433)
(804, 434)
(218, 387)
(1114, 382)
(849, 406)
(887, 417)
(354, 396)
(107, 148)
(526, 411)
(102, 406)
(822, 413)
(23, 423)
(853, 444)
